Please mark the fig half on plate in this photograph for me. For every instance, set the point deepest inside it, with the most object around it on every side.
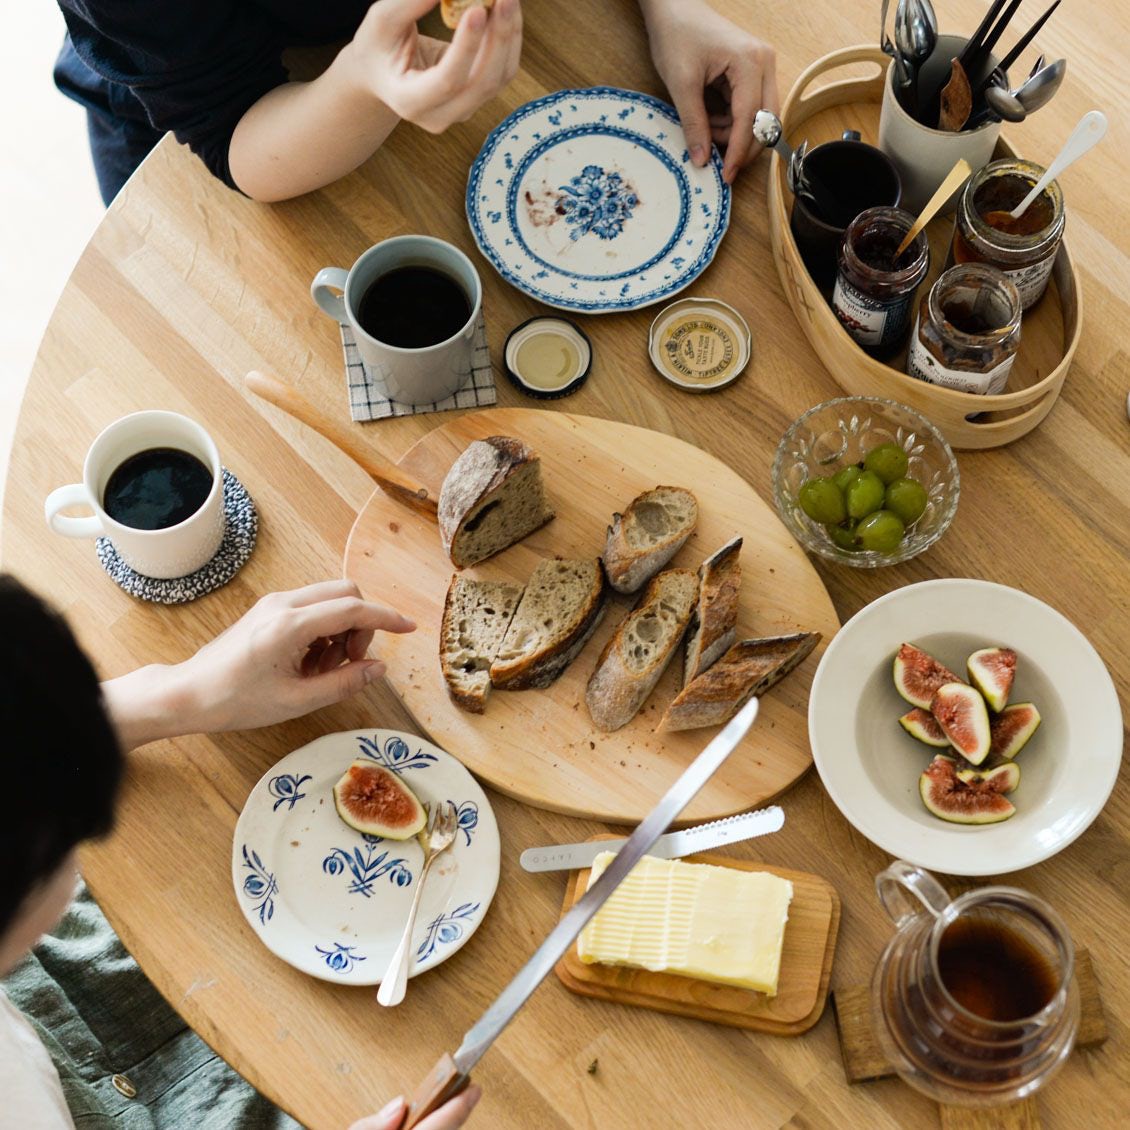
(376, 802)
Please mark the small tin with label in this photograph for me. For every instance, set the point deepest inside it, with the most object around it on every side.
(547, 357)
(699, 344)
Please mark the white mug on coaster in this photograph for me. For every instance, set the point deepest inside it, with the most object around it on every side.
(421, 374)
(174, 551)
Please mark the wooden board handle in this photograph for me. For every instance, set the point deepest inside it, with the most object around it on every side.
(387, 475)
(444, 1082)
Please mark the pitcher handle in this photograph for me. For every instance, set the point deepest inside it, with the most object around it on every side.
(899, 882)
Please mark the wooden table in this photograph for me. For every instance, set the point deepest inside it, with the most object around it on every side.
(185, 286)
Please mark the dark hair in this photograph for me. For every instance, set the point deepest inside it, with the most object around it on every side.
(60, 762)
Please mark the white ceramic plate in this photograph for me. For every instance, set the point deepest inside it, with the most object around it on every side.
(332, 902)
(870, 766)
(587, 200)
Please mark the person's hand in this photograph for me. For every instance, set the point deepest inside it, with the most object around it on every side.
(426, 81)
(449, 1116)
(718, 76)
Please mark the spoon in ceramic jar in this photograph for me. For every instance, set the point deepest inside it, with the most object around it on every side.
(916, 36)
(1040, 86)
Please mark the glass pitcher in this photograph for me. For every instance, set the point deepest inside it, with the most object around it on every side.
(974, 1000)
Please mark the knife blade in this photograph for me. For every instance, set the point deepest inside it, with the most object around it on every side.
(674, 845)
(452, 1073)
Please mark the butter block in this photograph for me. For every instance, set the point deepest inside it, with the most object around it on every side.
(694, 919)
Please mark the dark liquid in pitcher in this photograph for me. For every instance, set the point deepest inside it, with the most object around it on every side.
(993, 971)
(157, 488)
(413, 307)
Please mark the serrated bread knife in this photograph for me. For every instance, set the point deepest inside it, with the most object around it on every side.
(674, 845)
(453, 1072)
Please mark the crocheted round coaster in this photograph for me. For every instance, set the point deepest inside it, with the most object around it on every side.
(242, 526)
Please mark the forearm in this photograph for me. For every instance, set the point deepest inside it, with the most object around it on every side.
(303, 135)
(152, 703)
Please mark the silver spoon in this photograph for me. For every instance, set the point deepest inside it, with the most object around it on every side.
(1040, 86)
(1004, 104)
(888, 48)
(916, 36)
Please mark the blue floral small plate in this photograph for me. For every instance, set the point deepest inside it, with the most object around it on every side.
(587, 200)
(332, 902)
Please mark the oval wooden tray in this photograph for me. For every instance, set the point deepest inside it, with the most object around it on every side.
(1050, 331)
(540, 745)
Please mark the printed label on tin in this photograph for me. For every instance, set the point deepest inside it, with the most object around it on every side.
(869, 321)
(921, 363)
(700, 349)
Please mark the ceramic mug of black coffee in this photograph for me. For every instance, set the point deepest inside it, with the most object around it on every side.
(851, 176)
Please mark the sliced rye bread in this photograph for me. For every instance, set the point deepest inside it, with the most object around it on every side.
(492, 497)
(640, 649)
(714, 625)
(749, 668)
(476, 615)
(647, 535)
(452, 10)
(560, 609)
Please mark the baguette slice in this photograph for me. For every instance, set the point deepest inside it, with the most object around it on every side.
(647, 535)
(476, 615)
(560, 609)
(452, 10)
(714, 626)
(640, 649)
(749, 668)
(491, 498)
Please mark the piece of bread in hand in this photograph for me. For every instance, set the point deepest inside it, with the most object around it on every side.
(492, 497)
(560, 609)
(640, 649)
(714, 625)
(647, 535)
(476, 615)
(749, 668)
(452, 10)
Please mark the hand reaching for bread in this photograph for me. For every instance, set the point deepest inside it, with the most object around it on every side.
(426, 81)
(718, 76)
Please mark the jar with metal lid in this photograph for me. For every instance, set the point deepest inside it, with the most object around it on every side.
(985, 232)
(874, 288)
(968, 330)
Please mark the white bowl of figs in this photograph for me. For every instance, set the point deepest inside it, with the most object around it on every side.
(965, 726)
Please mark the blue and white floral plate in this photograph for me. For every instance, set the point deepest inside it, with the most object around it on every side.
(332, 902)
(587, 200)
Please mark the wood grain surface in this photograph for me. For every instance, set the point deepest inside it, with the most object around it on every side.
(541, 745)
(186, 286)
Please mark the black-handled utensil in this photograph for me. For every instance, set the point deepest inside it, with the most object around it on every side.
(990, 41)
(1025, 39)
(973, 43)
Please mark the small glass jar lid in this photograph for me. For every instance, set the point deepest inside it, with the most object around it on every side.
(699, 344)
(547, 357)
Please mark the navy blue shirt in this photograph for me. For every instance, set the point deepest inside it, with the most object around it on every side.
(193, 67)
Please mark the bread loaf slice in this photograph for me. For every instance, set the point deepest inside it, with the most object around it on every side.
(714, 625)
(749, 668)
(476, 615)
(452, 10)
(647, 535)
(640, 649)
(560, 609)
(491, 498)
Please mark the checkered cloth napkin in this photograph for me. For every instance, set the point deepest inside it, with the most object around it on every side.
(367, 403)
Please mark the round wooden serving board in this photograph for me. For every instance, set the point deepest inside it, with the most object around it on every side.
(540, 745)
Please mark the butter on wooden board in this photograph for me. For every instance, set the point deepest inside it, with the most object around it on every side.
(693, 919)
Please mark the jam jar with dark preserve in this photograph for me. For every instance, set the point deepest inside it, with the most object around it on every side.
(985, 232)
(875, 287)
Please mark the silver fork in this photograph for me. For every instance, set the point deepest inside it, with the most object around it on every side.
(439, 837)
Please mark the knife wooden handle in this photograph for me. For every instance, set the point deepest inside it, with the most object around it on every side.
(444, 1082)
(387, 475)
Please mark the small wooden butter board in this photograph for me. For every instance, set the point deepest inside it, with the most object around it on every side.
(802, 987)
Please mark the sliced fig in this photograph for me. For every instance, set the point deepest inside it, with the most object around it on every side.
(961, 714)
(1011, 728)
(973, 801)
(918, 676)
(991, 670)
(376, 802)
(1002, 778)
(921, 724)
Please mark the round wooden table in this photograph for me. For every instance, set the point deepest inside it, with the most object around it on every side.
(186, 286)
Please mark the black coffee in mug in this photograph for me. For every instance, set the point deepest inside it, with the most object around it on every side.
(413, 307)
(157, 488)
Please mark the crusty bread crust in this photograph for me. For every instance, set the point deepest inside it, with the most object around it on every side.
(645, 537)
(467, 651)
(714, 625)
(640, 649)
(749, 668)
(452, 10)
(539, 668)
